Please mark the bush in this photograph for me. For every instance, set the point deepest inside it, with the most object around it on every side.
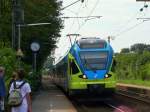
(133, 66)
(35, 80)
(9, 60)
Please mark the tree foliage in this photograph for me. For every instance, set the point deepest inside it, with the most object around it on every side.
(41, 11)
(8, 60)
(125, 50)
(133, 66)
(35, 11)
(139, 47)
(5, 23)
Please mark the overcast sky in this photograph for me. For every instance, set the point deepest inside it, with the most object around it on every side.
(119, 20)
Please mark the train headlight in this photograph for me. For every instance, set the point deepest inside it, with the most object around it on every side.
(84, 76)
(106, 76)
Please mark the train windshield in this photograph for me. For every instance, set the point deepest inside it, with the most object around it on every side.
(94, 60)
(91, 43)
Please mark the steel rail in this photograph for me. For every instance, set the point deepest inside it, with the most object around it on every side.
(112, 106)
(134, 95)
(84, 108)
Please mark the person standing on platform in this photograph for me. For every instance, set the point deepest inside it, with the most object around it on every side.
(25, 91)
(13, 78)
(2, 89)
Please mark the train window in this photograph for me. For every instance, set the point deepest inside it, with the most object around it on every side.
(74, 68)
(94, 60)
(91, 43)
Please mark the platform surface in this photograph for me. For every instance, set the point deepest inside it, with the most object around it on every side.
(51, 99)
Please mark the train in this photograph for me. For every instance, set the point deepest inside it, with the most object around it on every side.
(87, 66)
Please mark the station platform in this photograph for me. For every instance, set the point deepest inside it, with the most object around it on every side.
(51, 99)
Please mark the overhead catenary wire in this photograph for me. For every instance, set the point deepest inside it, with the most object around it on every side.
(75, 13)
(74, 18)
(91, 12)
(87, 17)
(129, 29)
(48, 15)
(126, 30)
(133, 18)
(128, 21)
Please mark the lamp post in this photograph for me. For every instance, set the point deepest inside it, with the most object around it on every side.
(35, 47)
(26, 25)
(19, 51)
(19, 55)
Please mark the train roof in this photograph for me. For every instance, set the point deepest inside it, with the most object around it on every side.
(85, 42)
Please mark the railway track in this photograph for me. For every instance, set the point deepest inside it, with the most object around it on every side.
(134, 95)
(98, 105)
(117, 109)
(119, 103)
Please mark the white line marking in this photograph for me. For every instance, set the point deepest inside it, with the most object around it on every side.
(115, 107)
(60, 95)
(51, 107)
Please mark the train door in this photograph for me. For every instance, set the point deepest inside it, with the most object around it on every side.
(69, 67)
(74, 68)
(68, 74)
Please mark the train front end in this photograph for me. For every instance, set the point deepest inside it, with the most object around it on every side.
(93, 58)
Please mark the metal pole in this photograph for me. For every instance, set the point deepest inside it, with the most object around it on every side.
(108, 39)
(34, 24)
(13, 24)
(13, 31)
(19, 36)
(81, 17)
(19, 62)
(35, 54)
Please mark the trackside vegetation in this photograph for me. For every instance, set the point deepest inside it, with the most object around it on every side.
(133, 65)
(9, 61)
(34, 11)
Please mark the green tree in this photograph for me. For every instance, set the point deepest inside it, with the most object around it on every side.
(139, 47)
(5, 23)
(41, 11)
(133, 66)
(35, 11)
(125, 50)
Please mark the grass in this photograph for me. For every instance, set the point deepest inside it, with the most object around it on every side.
(135, 82)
